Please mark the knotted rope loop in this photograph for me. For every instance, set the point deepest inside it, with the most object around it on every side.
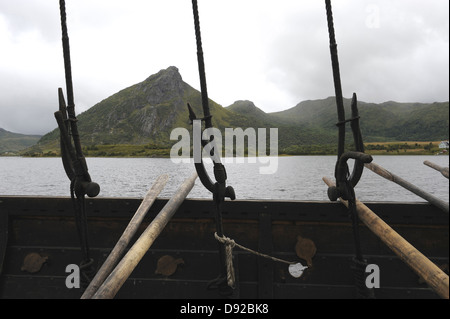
(229, 245)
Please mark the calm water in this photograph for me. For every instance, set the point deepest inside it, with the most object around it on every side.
(297, 177)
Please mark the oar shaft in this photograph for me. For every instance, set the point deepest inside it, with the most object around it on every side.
(412, 188)
(441, 169)
(125, 239)
(426, 269)
(129, 262)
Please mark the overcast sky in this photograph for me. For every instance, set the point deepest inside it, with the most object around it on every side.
(274, 53)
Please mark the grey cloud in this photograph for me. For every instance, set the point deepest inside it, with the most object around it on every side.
(37, 15)
(401, 55)
(388, 50)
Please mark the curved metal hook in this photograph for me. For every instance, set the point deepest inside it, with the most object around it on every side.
(72, 155)
(359, 145)
(341, 170)
(74, 166)
(345, 182)
(218, 188)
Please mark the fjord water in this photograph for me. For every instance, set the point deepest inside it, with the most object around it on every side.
(296, 177)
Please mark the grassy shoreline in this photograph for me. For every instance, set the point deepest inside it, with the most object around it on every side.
(157, 151)
(404, 148)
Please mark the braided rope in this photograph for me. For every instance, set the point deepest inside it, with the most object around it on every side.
(229, 245)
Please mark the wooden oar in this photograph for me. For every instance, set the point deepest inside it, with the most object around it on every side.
(124, 240)
(129, 262)
(441, 169)
(400, 181)
(431, 274)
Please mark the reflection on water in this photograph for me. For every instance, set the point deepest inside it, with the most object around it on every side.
(297, 177)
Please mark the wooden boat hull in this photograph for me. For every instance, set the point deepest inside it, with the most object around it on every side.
(45, 225)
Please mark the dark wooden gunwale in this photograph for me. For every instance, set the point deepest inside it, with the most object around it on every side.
(46, 225)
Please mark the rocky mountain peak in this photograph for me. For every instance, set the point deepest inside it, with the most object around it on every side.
(148, 111)
(170, 74)
(162, 86)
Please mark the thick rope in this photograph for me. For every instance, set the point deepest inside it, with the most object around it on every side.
(229, 245)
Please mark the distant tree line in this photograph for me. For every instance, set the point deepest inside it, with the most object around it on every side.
(398, 146)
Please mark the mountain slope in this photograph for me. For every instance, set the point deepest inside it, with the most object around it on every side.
(379, 122)
(248, 109)
(144, 113)
(147, 112)
(14, 142)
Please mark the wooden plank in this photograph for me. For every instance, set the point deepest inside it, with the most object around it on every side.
(414, 213)
(4, 225)
(265, 266)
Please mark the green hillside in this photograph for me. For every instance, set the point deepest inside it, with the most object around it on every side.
(144, 114)
(388, 121)
(14, 142)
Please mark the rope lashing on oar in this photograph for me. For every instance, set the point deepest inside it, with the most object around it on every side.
(229, 245)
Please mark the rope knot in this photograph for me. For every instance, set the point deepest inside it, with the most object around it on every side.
(229, 245)
(225, 240)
